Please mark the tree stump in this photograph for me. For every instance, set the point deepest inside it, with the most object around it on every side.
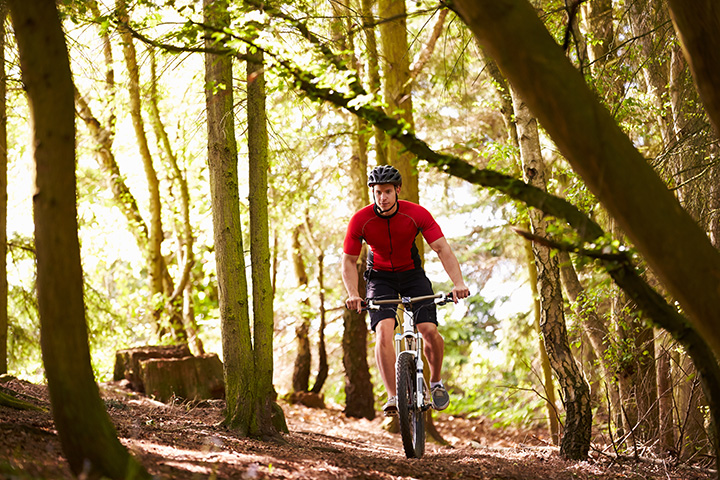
(189, 378)
(127, 362)
(170, 370)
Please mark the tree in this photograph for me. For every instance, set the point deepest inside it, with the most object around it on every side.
(87, 436)
(3, 198)
(155, 238)
(269, 417)
(303, 356)
(248, 390)
(229, 252)
(697, 27)
(359, 396)
(575, 442)
(602, 154)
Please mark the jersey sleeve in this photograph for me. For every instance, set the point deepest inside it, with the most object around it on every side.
(352, 245)
(431, 231)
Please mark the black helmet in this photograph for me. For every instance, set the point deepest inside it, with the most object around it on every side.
(384, 174)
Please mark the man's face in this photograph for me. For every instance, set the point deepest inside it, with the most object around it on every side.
(385, 195)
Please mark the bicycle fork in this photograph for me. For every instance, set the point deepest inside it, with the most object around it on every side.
(410, 340)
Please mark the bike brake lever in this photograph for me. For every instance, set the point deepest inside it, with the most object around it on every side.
(445, 299)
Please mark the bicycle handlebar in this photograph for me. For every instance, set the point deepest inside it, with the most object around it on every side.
(440, 299)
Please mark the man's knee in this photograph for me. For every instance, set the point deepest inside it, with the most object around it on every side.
(385, 330)
(428, 329)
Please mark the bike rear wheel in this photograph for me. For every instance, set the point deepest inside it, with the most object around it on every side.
(410, 416)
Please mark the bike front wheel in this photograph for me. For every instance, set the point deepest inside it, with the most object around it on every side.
(411, 417)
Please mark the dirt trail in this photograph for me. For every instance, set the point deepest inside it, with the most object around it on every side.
(183, 442)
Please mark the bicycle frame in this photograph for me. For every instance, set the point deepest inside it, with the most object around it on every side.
(410, 340)
(408, 357)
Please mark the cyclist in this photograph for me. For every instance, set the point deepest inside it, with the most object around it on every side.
(389, 227)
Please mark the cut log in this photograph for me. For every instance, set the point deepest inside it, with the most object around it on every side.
(309, 399)
(127, 362)
(188, 378)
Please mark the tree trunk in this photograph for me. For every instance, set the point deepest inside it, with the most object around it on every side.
(598, 21)
(373, 74)
(664, 392)
(595, 330)
(603, 156)
(3, 198)
(575, 442)
(86, 434)
(698, 28)
(323, 367)
(238, 361)
(156, 233)
(548, 383)
(301, 370)
(359, 396)
(692, 437)
(397, 92)
(269, 417)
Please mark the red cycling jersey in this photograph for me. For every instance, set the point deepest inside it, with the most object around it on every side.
(392, 238)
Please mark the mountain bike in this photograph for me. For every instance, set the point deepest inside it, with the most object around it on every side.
(412, 391)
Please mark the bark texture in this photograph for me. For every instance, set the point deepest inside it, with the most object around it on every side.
(87, 436)
(269, 418)
(397, 89)
(575, 442)
(237, 347)
(3, 198)
(698, 27)
(603, 155)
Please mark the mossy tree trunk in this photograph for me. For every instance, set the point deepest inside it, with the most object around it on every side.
(248, 364)
(87, 436)
(269, 418)
(227, 230)
(3, 198)
(397, 89)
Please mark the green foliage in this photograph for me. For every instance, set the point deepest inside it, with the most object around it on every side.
(494, 379)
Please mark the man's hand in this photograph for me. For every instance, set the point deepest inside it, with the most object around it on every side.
(460, 291)
(354, 303)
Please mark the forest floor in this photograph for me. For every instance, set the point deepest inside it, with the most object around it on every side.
(186, 442)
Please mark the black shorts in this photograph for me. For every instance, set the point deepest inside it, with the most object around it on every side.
(412, 283)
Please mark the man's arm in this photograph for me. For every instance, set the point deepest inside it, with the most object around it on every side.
(350, 279)
(452, 267)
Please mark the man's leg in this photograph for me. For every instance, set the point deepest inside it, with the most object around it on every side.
(434, 349)
(385, 354)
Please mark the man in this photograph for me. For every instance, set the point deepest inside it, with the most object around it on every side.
(389, 227)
